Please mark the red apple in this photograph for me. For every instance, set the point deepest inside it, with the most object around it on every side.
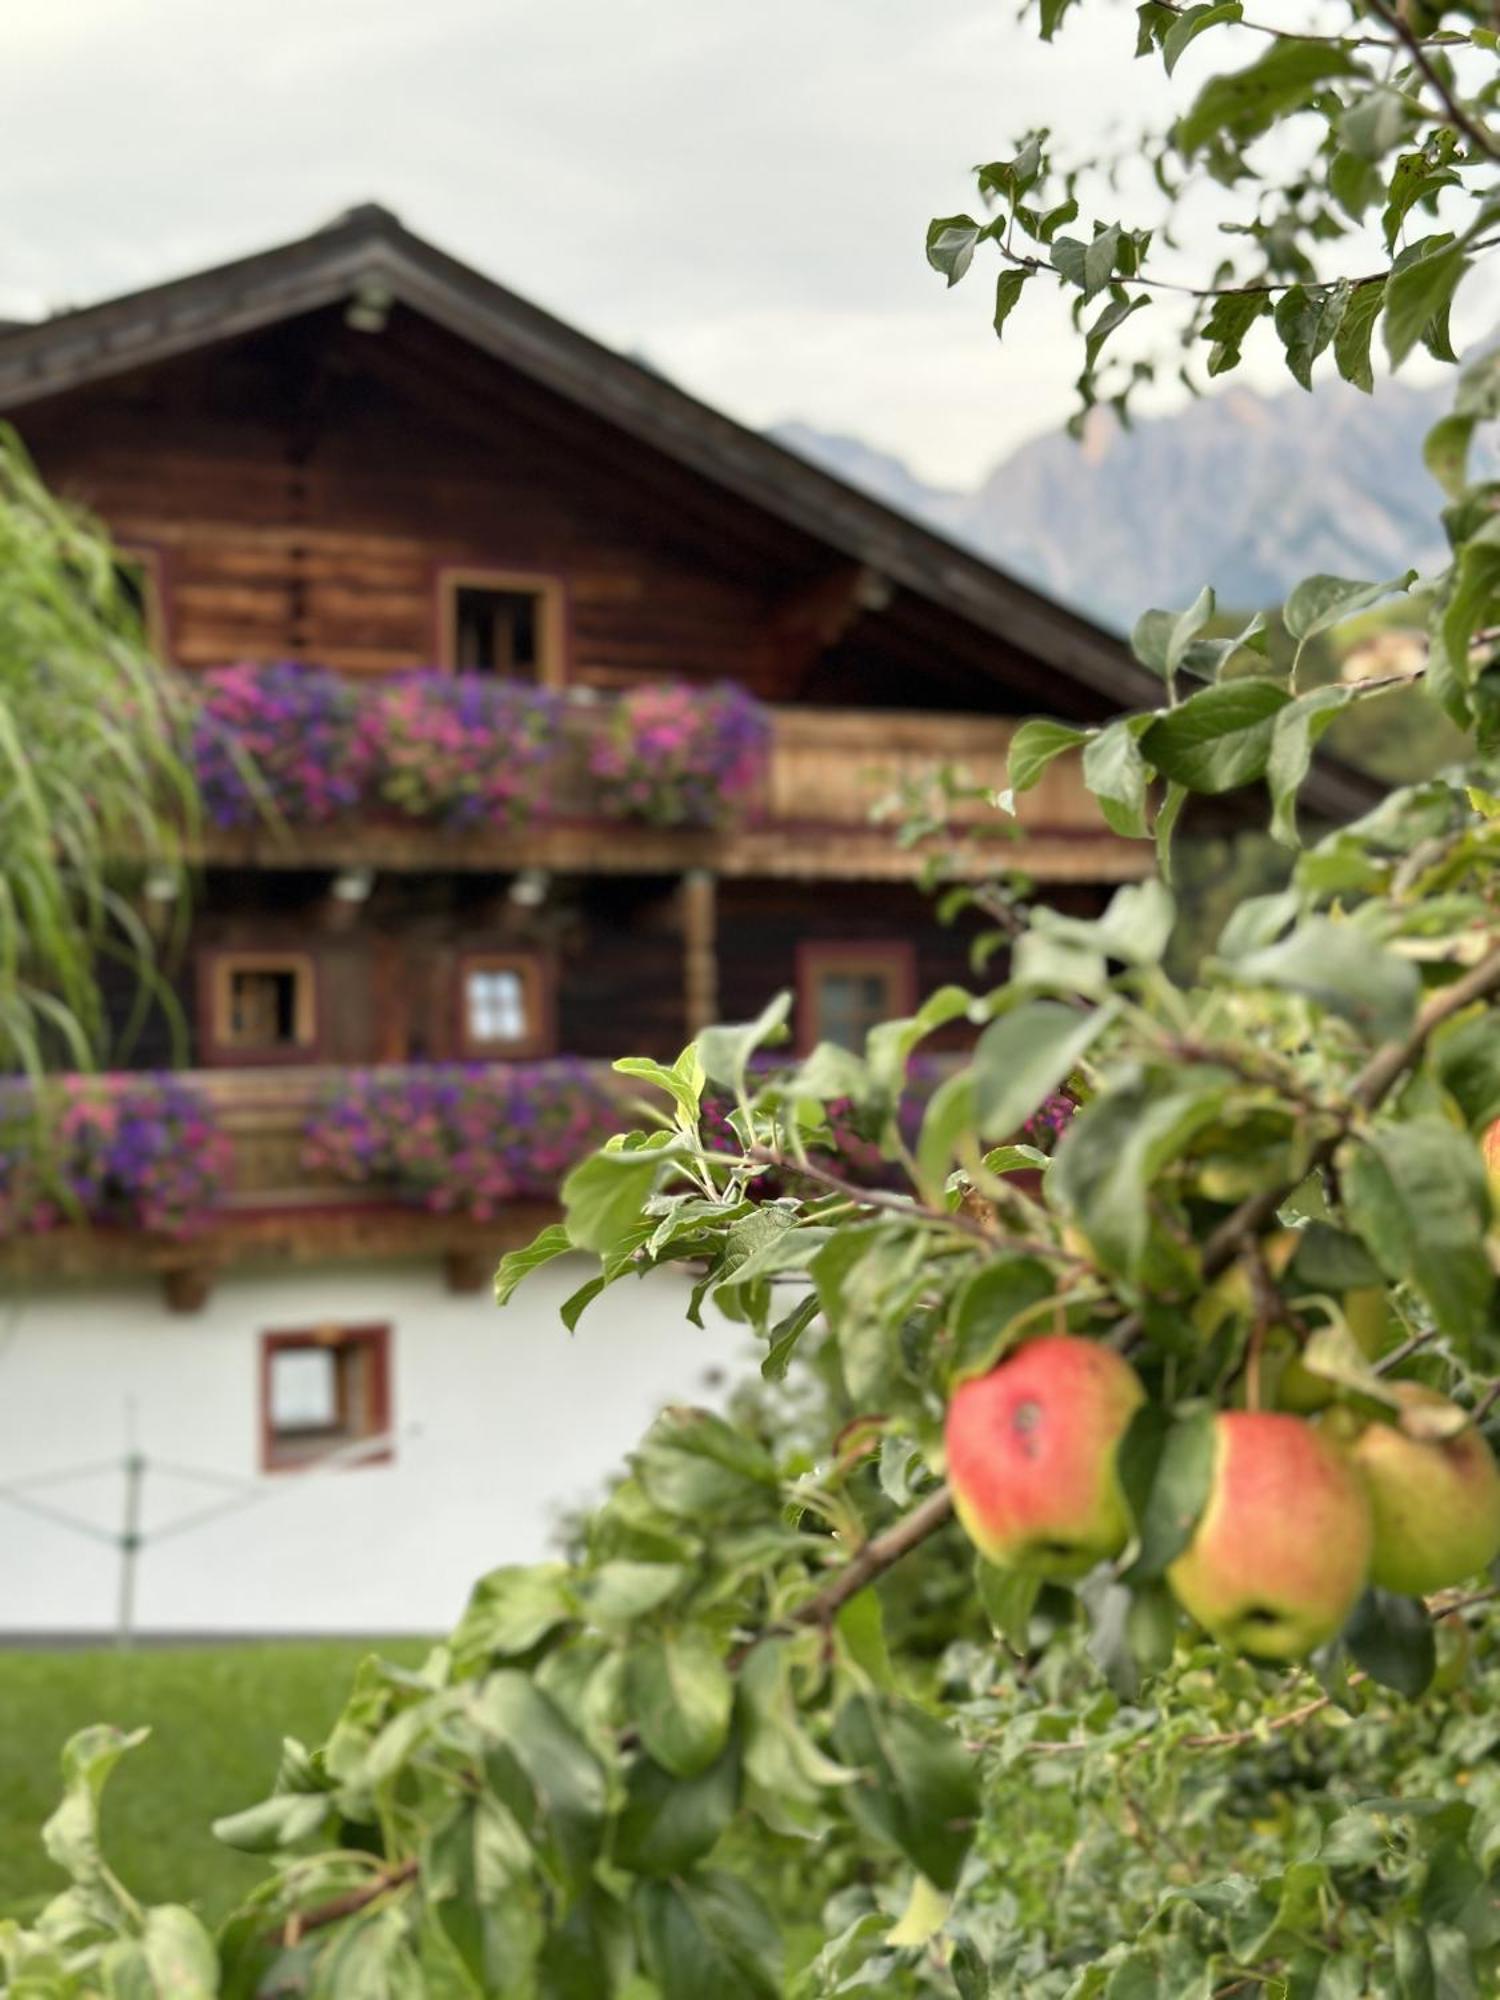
(1282, 1549)
(1031, 1456)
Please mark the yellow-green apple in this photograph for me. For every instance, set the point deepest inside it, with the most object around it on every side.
(1302, 1389)
(1282, 1548)
(1031, 1456)
(1436, 1500)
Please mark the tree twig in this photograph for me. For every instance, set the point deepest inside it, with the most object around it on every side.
(1374, 1083)
(321, 1915)
(1457, 117)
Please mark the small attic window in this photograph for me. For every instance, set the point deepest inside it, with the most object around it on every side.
(501, 624)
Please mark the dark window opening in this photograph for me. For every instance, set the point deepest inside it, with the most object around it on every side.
(263, 1008)
(497, 632)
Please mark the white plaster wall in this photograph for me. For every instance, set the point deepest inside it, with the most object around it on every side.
(503, 1420)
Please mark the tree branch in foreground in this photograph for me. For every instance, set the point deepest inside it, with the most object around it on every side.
(1255, 1216)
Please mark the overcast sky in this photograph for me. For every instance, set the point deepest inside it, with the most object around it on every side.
(738, 192)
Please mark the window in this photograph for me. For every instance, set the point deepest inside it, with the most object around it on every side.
(138, 579)
(325, 1393)
(844, 990)
(261, 1007)
(493, 622)
(504, 1005)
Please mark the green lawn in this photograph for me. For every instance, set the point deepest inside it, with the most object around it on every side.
(217, 1716)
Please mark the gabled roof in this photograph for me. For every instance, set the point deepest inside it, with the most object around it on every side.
(368, 258)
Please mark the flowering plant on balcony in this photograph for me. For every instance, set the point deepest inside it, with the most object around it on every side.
(138, 1151)
(293, 739)
(679, 755)
(461, 1138)
(464, 749)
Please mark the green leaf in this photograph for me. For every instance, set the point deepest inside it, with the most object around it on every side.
(1351, 344)
(1231, 319)
(1416, 1194)
(1033, 748)
(1297, 730)
(668, 1823)
(566, 1778)
(1321, 602)
(513, 1607)
(1191, 23)
(619, 1592)
(696, 1467)
(279, 1821)
(680, 1697)
(951, 240)
(1307, 318)
(1008, 289)
(683, 1082)
(918, 1788)
(1416, 293)
(725, 1052)
(1115, 1148)
(1008, 1598)
(71, 1835)
(709, 1937)
(1343, 970)
(1467, 1059)
(179, 1954)
(1391, 1638)
(785, 1335)
(515, 1265)
(1219, 738)
(1023, 1057)
(1099, 260)
(1246, 102)
(988, 1303)
(1372, 124)
(948, 1117)
(604, 1196)
(780, 1757)
(1116, 773)
(1166, 1469)
(1445, 453)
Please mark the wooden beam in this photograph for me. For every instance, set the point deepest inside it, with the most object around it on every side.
(700, 964)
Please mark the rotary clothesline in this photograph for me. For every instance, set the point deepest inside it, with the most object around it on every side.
(131, 1538)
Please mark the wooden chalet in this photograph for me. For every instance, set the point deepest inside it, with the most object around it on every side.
(354, 451)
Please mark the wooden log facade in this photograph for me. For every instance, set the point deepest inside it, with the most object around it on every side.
(310, 455)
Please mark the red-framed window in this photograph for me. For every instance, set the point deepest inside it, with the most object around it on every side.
(325, 1397)
(845, 989)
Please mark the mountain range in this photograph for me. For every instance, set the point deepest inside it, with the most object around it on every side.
(1248, 492)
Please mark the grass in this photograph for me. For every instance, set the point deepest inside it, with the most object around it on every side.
(217, 1716)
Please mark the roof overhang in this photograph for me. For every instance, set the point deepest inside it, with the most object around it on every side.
(369, 256)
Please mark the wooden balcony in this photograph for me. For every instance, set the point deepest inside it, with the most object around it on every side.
(275, 1210)
(827, 769)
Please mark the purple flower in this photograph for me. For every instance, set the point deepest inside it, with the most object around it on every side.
(460, 1138)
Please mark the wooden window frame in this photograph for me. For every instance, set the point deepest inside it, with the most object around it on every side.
(892, 958)
(552, 625)
(540, 990)
(151, 562)
(215, 970)
(376, 1335)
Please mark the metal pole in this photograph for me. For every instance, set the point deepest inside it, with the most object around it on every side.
(130, 1531)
